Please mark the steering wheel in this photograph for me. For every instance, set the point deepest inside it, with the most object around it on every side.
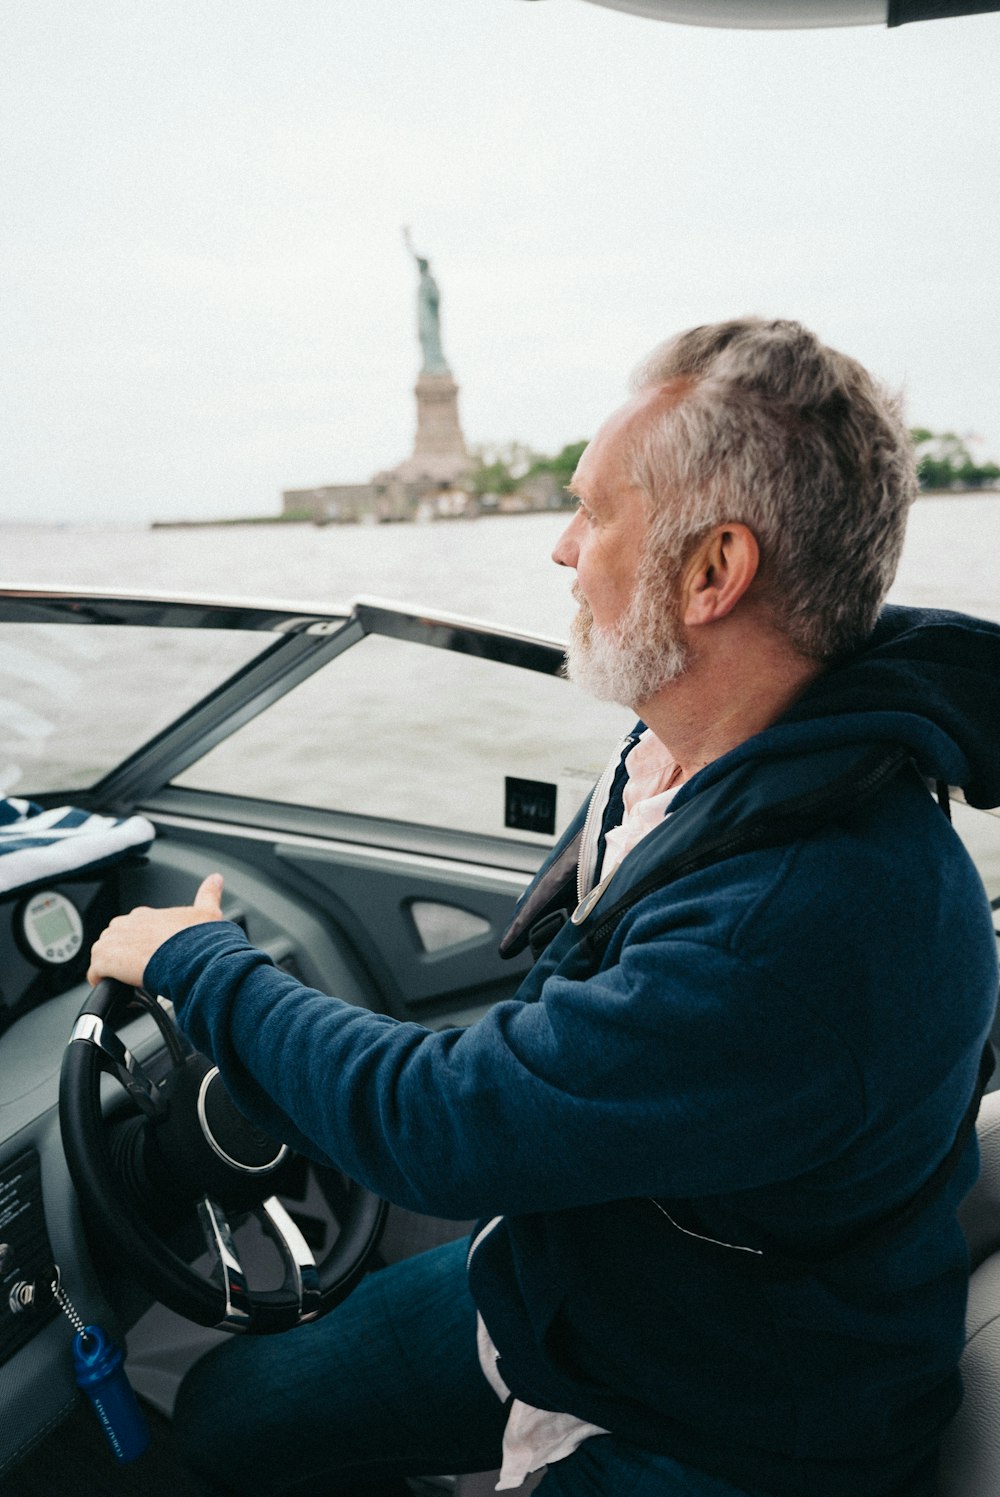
(184, 1153)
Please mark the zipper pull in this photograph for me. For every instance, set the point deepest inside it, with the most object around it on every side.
(589, 901)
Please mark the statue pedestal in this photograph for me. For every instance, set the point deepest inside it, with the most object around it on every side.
(439, 451)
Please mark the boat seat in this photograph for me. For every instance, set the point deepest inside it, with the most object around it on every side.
(970, 1459)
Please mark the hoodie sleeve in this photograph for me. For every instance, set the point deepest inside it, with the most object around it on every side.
(647, 1071)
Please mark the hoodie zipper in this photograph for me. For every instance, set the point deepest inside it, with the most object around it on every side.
(484, 1231)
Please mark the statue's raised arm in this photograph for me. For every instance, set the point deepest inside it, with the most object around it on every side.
(428, 314)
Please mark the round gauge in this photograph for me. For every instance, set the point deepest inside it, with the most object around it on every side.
(50, 928)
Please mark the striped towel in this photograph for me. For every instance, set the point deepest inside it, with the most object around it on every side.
(38, 846)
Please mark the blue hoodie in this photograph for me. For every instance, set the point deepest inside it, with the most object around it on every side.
(708, 1094)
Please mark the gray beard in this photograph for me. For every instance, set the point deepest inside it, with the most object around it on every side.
(633, 659)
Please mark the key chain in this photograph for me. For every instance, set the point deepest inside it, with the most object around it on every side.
(99, 1370)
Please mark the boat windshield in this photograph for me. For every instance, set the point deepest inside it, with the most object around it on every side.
(378, 712)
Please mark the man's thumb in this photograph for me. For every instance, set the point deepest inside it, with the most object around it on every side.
(209, 895)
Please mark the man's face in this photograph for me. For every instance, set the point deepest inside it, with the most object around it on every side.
(627, 641)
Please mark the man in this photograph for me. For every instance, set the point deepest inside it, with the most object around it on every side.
(713, 1142)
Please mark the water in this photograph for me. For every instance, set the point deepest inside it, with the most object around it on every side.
(496, 568)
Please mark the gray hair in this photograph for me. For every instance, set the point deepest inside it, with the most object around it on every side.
(778, 432)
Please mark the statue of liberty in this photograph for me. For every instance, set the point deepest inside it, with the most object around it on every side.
(428, 314)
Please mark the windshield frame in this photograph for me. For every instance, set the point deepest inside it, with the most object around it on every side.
(304, 641)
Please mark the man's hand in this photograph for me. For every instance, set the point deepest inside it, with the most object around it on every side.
(124, 949)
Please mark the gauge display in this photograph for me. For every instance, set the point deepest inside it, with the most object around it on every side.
(51, 928)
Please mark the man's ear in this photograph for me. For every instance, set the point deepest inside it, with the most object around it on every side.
(718, 573)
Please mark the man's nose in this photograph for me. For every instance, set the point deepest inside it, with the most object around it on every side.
(565, 550)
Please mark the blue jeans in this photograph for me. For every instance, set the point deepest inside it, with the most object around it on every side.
(387, 1385)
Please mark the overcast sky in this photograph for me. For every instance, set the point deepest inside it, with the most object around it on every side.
(205, 294)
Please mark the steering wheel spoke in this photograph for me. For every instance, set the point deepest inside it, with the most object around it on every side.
(301, 1273)
(227, 1269)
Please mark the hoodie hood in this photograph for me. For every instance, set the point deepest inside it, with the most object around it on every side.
(925, 679)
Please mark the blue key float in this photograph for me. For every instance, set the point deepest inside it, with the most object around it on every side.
(99, 1368)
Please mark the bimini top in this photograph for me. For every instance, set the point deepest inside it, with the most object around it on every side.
(789, 15)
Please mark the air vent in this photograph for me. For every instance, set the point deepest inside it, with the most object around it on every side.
(442, 926)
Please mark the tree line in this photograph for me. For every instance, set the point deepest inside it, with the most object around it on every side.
(943, 462)
(512, 468)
